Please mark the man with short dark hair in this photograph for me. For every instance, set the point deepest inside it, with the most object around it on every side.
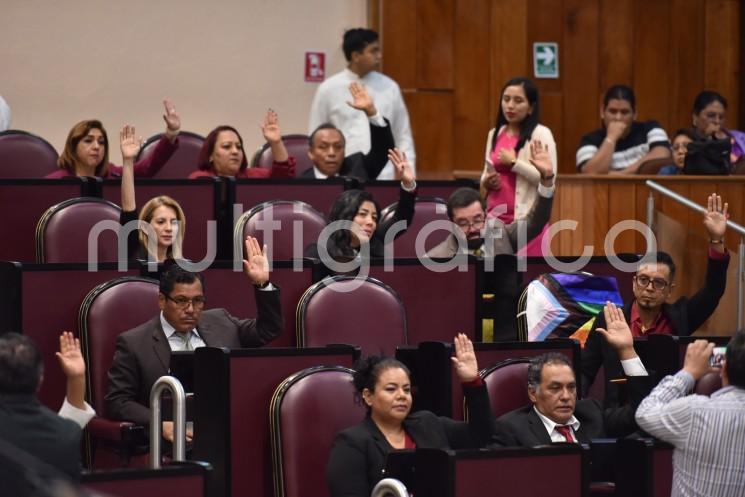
(328, 146)
(708, 432)
(475, 235)
(24, 422)
(649, 313)
(143, 354)
(555, 415)
(362, 51)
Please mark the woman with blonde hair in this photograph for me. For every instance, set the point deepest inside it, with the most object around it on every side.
(161, 217)
(86, 150)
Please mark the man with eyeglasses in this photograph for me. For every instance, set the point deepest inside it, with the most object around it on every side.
(649, 313)
(143, 354)
(476, 235)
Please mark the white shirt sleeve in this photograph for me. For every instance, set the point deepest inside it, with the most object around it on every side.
(4, 115)
(80, 416)
(666, 413)
(634, 367)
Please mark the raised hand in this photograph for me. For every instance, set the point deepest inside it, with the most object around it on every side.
(618, 334)
(69, 356)
(464, 362)
(715, 219)
(404, 171)
(129, 143)
(171, 117)
(540, 159)
(270, 127)
(256, 264)
(361, 100)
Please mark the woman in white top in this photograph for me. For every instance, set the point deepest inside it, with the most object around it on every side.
(509, 182)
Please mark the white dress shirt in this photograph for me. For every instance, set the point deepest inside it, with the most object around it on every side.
(4, 115)
(175, 339)
(330, 106)
(708, 434)
(80, 416)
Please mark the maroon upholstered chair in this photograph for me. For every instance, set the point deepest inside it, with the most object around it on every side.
(357, 311)
(108, 310)
(708, 384)
(24, 155)
(184, 159)
(283, 244)
(63, 230)
(297, 146)
(427, 209)
(507, 384)
(326, 395)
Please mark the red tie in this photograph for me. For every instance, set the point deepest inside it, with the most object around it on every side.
(566, 432)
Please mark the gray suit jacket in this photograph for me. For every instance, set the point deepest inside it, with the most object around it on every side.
(539, 215)
(143, 354)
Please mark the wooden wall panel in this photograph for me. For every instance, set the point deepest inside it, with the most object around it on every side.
(509, 41)
(651, 49)
(552, 116)
(686, 56)
(472, 89)
(427, 109)
(398, 38)
(580, 78)
(616, 43)
(434, 44)
(722, 51)
(545, 24)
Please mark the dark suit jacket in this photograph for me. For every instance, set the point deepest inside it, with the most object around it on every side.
(143, 354)
(33, 428)
(366, 167)
(358, 455)
(686, 315)
(522, 427)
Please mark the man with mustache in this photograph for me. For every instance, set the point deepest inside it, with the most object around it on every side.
(466, 211)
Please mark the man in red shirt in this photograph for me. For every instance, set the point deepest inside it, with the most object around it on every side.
(649, 313)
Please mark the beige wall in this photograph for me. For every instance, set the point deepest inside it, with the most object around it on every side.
(222, 62)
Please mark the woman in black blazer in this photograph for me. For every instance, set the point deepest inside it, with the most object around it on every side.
(358, 454)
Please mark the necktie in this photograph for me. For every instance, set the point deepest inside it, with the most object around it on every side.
(566, 432)
(186, 337)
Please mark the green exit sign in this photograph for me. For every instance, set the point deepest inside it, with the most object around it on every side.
(546, 59)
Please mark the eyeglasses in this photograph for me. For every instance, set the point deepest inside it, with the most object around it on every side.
(183, 302)
(465, 224)
(657, 283)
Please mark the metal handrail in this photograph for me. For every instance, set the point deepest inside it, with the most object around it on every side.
(179, 419)
(390, 486)
(730, 224)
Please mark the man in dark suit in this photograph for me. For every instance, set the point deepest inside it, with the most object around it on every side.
(143, 354)
(555, 415)
(649, 313)
(327, 144)
(24, 422)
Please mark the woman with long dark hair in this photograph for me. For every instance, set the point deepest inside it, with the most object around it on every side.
(509, 181)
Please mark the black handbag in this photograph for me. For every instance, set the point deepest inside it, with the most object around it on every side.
(710, 157)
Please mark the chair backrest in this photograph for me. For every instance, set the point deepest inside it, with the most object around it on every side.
(184, 159)
(708, 384)
(108, 310)
(297, 147)
(299, 455)
(62, 231)
(281, 246)
(507, 384)
(24, 155)
(426, 210)
(357, 311)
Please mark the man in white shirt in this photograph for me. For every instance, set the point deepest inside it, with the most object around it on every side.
(708, 432)
(555, 415)
(362, 51)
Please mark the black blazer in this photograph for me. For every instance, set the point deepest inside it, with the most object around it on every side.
(358, 455)
(522, 427)
(143, 354)
(367, 166)
(38, 431)
(686, 315)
